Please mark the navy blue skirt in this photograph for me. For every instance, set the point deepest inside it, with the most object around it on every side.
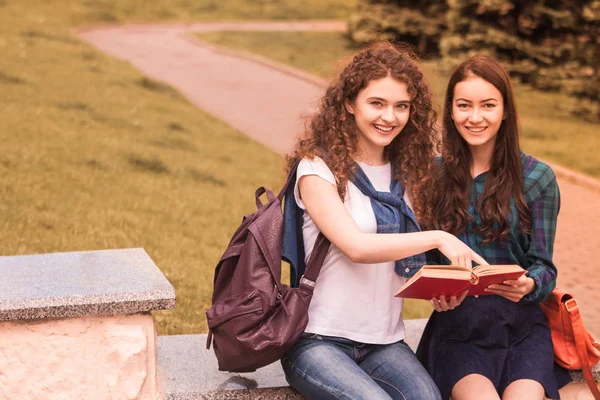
(492, 336)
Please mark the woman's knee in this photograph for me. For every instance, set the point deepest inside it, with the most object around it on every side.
(396, 369)
(308, 386)
(425, 388)
(524, 389)
(474, 386)
(421, 388)
(429, 389)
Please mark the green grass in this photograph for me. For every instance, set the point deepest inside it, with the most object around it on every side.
(96, 156)
(118, 11)
(549, 131)
(302, 50)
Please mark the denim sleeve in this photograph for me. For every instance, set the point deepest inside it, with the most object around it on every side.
(544, 212)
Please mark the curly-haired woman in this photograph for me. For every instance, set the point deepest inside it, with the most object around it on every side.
(364, 164)
(504, 205)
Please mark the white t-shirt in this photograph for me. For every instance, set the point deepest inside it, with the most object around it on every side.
(351, 300)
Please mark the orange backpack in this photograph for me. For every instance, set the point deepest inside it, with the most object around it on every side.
(574, 346)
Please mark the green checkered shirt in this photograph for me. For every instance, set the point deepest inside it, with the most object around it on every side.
(533, 251)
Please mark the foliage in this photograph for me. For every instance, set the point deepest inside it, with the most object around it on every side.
(418, 23)
(553, 45)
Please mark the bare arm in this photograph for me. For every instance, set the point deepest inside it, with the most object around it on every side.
(324, 206)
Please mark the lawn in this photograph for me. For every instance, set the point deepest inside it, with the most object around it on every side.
(120, 11)
(549, 131)
(96, 156)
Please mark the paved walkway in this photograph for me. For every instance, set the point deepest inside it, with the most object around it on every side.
(267, 100)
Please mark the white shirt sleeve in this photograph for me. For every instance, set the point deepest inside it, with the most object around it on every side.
(315, 166)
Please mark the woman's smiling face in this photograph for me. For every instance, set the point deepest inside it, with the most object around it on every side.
(477, 111)
(381, 110)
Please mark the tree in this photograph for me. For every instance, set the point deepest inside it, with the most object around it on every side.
(550, 44)
(420, 23)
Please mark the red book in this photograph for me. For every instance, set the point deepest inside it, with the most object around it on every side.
(451, 280)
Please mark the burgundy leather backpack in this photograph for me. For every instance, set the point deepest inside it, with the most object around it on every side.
(254, 319)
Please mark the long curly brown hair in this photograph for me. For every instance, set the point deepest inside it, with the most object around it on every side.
(333, 134)
(504, 181)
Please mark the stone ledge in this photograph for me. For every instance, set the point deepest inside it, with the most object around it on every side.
(65, 285)
(577, 376)
(191, 371)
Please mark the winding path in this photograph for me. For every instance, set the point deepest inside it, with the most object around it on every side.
(267, 100)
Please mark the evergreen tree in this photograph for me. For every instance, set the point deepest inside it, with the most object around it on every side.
(550, 44)
(420, 23)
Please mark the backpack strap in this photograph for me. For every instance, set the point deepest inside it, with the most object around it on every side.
(579, 334)
(315, 262)
(319, 252)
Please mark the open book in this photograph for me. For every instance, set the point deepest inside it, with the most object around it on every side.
(451, 280)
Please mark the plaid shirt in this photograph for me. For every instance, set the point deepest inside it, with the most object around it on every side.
(534, 251)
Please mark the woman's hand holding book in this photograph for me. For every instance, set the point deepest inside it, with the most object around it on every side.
(441, 304)
(513, 290)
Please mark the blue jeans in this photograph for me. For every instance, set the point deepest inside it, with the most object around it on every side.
(326, 367)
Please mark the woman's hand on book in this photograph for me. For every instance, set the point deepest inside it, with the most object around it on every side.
(442, 304)
(513, 290)
(457, 252)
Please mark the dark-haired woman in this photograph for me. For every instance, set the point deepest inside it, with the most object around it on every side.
(503, 203)
(364, 161)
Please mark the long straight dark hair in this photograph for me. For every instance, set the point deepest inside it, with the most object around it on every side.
(504, 182)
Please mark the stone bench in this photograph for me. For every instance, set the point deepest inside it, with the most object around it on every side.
(191, 372)
(78, 325)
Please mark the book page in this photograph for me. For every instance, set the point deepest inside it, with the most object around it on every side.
(445, 268)
(482, 270)
(446, 271)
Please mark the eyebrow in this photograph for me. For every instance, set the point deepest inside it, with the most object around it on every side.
(482, 101)
(384, 100)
